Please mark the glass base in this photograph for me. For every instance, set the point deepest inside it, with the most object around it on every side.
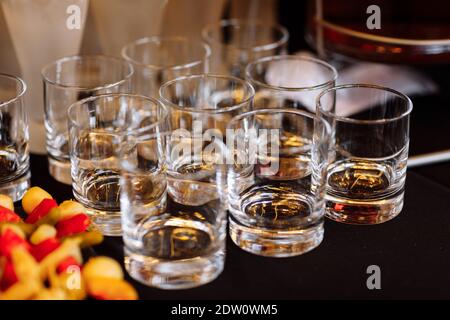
(176, 274)
(17, 188)
(60, 171)
(108, 223)
(275, 243)
(363, 212)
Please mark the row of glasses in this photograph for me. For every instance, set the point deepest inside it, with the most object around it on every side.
(164, 172)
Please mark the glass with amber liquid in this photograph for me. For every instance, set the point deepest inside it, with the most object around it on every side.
(368, 154)
(276, 181)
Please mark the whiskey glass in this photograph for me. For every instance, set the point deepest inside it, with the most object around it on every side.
(66, 81)
(98, 127)
(157, 60)
(14, 157)
(200, 107)
(289, 81)
(234, 43)
(368, 153)
(276, 181)
(180, 243)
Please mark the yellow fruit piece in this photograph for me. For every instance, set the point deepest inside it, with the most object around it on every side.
(102, 267)
(21, 290)
(51, 294)
(14, 228)
(110, 289)
(43, 232)
(6, 202)
(33, 197)
(69, 248)
(70, 208)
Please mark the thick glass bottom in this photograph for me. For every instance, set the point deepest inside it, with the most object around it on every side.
(60, 171)
(275, 243)
(174, 274)
(365, 212)
(16, 188)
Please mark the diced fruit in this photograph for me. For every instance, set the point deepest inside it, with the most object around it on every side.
(14, 228)
(51, 218)
(21, 290)
(41, 210)
(41, 250)
(66, 264)
(43, 232)
(102, 267)
(73, 225)
(7, 215)
(8, 277)
(69, 248)
(6, 202)
(33, 197)
(9, 240)
(110, 289)
(70, 208)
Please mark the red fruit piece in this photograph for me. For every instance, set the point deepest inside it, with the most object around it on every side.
(66, 263)
(41, 210)
(9, 276)
(42, 249)
(73, 225)
(10, 240)
(7, 215)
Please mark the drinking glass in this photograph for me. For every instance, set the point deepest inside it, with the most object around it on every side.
(276, 181)
(157, 60)
(98, 127)
(66, 81)
(368, 153)
(180, 243)
(234, 43)
(289, 81)
(14, 157)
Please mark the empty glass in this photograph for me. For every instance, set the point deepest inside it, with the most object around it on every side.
(182, 244)
(235, 43)
(68, 80)
(289, 81)
(368, 153)
(98, 127)
(200, 107)
(14, 158)
(276, 181)
(157, 60)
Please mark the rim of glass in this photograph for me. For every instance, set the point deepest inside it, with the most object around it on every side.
(156, 102)
(303, 113)
(158, 39)
(23, 89)
(409, 104)
(83, 57)
(328, 66)
(206, 33)
(242, 82)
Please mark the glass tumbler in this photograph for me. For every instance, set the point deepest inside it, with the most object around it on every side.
(157, 60)
(14, 157)
(182, 244)
(276, 181)
(368, 153)
(289, 81)
(66, 81)
(98, 127)
(234, 43)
